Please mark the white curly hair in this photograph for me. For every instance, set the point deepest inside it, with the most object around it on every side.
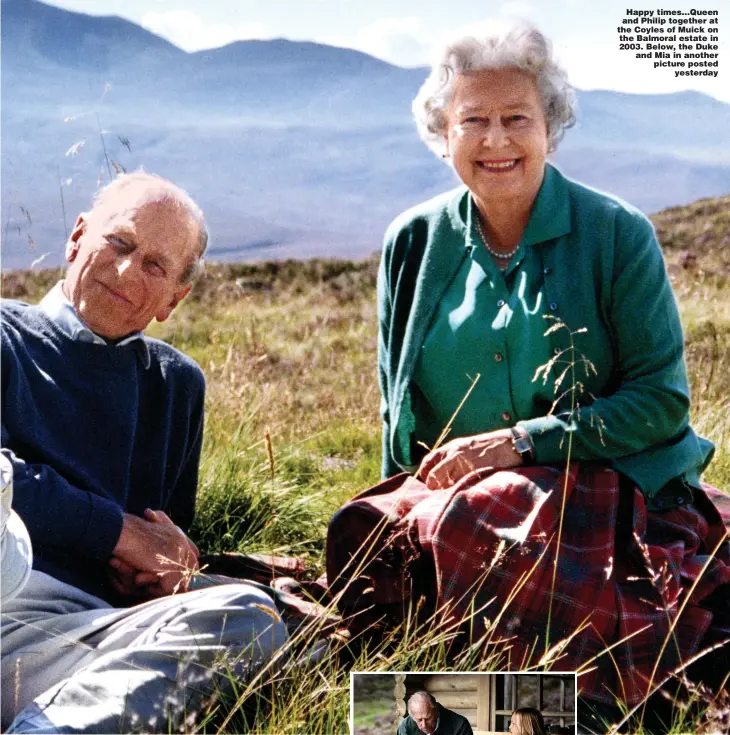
(517, 46)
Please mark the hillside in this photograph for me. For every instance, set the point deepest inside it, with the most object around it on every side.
(695, 239)
(293, 149)
(697, 234)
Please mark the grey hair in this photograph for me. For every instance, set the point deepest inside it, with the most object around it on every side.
(157, 188)
(424, 697)
(519, 46)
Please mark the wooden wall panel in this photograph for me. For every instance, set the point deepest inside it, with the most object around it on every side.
(471, 715)
(484, 701)
(451, 683)
(457, 700)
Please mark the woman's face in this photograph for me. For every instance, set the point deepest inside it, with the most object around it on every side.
(497, 136)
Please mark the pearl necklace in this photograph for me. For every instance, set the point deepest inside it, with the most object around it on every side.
(501, 256)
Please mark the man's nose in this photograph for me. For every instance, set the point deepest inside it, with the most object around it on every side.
(125, 265)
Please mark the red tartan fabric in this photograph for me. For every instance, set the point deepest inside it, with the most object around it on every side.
(489, 545)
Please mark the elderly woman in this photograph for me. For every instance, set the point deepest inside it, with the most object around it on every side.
(529, 321)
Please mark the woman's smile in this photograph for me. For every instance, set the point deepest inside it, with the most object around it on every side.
(499, 166)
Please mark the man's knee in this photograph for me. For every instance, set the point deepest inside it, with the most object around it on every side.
(231, 615)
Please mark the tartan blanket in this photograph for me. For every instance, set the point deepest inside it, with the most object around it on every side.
(546, 567)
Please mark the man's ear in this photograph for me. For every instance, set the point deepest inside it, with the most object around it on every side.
(178, 296)
(72, 244)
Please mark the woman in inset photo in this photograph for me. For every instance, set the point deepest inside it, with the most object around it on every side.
(527, 721)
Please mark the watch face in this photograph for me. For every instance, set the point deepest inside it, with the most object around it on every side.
(522, 445)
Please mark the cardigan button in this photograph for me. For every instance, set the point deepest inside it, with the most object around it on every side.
(553, 306)
(507, 416)
(500, 303)
(547, 270)
(499, 357)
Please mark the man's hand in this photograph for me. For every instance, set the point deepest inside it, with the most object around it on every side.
(153, 556)
(122, 578)
(446, 465)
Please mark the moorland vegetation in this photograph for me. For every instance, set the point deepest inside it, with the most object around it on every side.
(292, 432)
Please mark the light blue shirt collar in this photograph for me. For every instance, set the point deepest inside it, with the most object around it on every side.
(60, 310)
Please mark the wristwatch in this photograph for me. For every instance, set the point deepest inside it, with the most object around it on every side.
(522, 445)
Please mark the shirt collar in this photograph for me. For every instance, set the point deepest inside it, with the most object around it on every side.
(549, 217)
(60, 310)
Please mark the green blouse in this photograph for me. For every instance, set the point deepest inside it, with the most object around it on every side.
(488, 332)
(617, 364)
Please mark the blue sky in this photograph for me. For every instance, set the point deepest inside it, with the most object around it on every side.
(406, 32)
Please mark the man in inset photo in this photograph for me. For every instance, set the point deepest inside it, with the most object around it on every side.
(427, 716)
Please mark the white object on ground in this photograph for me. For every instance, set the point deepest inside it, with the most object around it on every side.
(17, 553)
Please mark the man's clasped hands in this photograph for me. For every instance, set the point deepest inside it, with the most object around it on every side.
(152, 558)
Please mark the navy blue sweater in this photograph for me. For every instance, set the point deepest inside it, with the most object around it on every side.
(92, 434)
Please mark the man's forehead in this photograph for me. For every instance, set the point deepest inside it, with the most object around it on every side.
(130, 207)
(162, 217)
(421, 708)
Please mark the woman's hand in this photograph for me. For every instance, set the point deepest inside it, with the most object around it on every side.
(446, 465)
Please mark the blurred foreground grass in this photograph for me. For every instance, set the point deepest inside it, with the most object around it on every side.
(289, 348)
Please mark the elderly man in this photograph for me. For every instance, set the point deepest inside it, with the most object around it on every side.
(103, 429)
(427, 716)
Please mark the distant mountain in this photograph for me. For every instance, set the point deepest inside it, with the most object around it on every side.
(293, 149)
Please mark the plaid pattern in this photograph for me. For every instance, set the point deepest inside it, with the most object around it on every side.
(485, 551)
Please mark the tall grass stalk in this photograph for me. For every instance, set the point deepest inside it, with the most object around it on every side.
(272, 339)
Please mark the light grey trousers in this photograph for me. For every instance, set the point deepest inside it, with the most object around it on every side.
(71, 663)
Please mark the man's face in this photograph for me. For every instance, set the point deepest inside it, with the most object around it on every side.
(424, 715)
(127, 257)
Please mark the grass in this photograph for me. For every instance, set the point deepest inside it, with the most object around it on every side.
(289, 351)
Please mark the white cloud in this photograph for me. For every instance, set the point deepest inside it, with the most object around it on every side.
(191, 32)
(408, 41)
(487, 27)
(402, 41)
(517, 9)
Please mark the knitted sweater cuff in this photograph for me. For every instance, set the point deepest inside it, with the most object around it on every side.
(103, 528)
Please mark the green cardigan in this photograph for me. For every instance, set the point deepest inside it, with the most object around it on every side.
(603, 275)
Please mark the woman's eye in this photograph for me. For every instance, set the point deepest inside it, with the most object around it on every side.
(517, 118)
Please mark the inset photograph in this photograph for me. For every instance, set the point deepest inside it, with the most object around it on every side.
(440, 703)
